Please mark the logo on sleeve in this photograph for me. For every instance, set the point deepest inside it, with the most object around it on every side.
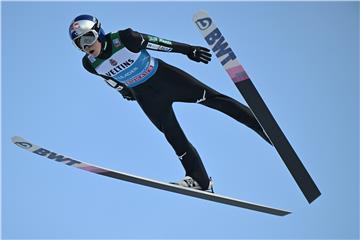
(116, 42)
(91, 58)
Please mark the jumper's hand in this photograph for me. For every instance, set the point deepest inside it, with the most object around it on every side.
(199, 54)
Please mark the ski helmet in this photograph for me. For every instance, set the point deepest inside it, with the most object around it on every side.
(84, 30)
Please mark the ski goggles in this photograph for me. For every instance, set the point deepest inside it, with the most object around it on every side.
(86, 39)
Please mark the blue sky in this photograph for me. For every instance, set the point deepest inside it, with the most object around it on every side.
(302, 57)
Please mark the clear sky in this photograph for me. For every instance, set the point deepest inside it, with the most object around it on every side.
(302, 57)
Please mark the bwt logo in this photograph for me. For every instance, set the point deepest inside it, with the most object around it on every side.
(25, 145)
(220, 46)
(216, 40)
(204, 23)
(54, 156)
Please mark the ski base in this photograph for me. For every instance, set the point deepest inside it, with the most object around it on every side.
(247, 89)
(22, 143)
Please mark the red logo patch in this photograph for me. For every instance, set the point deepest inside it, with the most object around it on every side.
(113, 62)
(75, 26)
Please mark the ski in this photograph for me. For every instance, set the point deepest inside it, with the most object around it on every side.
(22, 143)
(228, 60)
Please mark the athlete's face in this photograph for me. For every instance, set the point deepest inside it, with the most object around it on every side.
(94, 49)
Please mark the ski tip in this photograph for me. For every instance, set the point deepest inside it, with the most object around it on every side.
(20, 142)
(199, 14)
(16, 139)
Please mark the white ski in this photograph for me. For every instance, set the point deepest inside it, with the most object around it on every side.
(22, 143)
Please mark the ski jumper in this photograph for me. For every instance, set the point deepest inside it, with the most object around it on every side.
(126, 65)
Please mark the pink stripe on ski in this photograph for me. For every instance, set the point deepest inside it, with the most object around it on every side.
(93, 169)
(237, 74)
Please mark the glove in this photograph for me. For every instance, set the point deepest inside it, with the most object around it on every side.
(199, 54)
(127, 94)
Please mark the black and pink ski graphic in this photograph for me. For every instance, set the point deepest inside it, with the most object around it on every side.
(40, 151)
(243, 83)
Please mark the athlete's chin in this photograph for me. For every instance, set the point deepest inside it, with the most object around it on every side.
(94, 53)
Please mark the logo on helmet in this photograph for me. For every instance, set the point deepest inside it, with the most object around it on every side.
(113, 62)
(75, 26)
